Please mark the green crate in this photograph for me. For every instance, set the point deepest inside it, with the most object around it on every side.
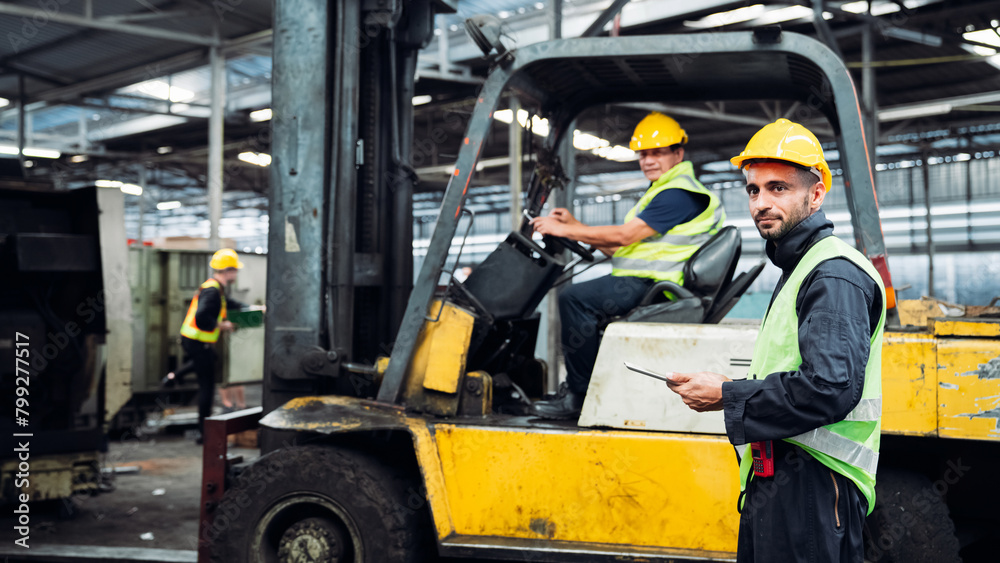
(246, 318)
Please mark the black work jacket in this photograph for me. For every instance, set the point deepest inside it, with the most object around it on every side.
(828, 385)
(209, 305)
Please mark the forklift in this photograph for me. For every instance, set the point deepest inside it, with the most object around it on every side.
(390, 430)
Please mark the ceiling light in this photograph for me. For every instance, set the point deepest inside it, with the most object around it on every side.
(784, 14)
(720, 19)
(79, 158)
(878, 8)
(41, 153)
(164, 150)
(29, 163)
(914, 111)
(258, 158)
(987, 36)
(504, 115)
(617, 153)
(167, 205)
(421, 100)
(108, 184)
(261, 115)
(4, 102)
(131, 189)
(35, 152)
(587, 142)
(161, 90)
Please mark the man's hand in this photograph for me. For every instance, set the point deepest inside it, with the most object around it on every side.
(557, 223)
(701, 391)
(227, 326)
(549, 226)
(563, 215)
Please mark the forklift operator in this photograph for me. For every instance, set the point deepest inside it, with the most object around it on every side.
(808, 417)
(675, 216)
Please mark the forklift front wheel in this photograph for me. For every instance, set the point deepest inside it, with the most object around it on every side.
(316, 503)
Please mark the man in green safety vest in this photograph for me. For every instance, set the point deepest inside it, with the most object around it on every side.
(808, 417)
(675, 216)
(205, 320)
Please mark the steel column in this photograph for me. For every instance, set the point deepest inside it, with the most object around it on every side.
(301, 134)
(560, 198)
(603, 18)
(142, 201)
(217, 64)
(515, 147)
(555, 19)
(925, 169)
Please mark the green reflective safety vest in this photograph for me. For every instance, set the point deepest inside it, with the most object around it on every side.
(190, 329)
(661, 257)
(850, 446)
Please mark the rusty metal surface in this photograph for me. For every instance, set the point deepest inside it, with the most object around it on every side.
(334, 414)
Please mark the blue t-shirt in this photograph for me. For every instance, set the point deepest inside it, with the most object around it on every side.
(672, 207)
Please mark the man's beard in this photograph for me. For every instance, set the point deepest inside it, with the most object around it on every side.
(795, 217)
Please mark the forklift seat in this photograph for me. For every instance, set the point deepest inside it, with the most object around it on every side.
(709, 290)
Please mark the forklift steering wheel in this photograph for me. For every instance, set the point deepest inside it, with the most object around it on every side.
(572, 246)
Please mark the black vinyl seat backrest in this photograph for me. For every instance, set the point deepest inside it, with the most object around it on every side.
(712, 266)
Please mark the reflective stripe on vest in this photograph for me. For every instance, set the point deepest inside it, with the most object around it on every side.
(662, 256)
(189, 328)
(849, 446)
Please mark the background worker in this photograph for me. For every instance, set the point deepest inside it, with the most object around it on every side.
(813, 397)
(675, 216)
(205, 320)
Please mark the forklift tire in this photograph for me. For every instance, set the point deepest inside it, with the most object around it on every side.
(321, 504)
(910, 522)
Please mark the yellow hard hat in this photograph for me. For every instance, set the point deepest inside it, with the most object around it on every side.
(657, 130)
(788, 141)
(225, 258)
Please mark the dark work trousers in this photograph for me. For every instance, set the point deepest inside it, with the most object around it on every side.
(583, 308)
(804, 513)
(202, 357)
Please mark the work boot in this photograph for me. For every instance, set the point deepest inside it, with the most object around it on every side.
(566, 405)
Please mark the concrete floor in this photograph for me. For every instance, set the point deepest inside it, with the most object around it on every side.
(156, 507)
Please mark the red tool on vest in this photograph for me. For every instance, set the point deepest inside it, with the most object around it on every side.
(763, 458)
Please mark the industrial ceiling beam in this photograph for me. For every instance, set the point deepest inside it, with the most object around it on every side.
(177, 63)
(106, 25)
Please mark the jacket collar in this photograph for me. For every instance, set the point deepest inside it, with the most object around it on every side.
(682, 168)
(796, 242)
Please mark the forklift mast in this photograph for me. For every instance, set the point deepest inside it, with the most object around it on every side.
(340, 265)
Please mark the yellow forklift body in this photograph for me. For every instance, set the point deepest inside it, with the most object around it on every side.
(944, 382)
(634, 488)
(969, 387)
(551, 484)
(909, 384)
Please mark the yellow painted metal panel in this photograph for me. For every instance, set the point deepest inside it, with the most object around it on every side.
(625, 488)
(909, 384)
(982, 328)
(969, 393)
(430, 469)
(448, 340)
